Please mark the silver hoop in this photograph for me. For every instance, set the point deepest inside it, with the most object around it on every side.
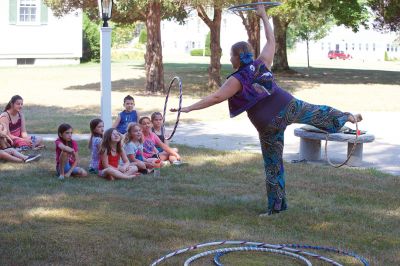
(253, 6)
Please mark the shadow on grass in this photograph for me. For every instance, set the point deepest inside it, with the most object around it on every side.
(349, 76)
(195, 76)
(46, 119)
(217, 196)
(194, 80)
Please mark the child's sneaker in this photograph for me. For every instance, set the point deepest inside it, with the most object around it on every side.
(165, 163)
(92, 170)
(61, 177)
(32, 158)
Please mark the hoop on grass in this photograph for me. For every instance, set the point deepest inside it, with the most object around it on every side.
(176, 78)
(253, 6)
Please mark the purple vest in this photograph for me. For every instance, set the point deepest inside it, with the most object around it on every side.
(258, 86)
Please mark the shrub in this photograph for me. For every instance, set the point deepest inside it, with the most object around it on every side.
(199, 52)
(121, 55)
(386, 58)
(143, 36)
(91, 40)
(122, 34)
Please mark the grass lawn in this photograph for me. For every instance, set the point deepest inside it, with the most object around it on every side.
(216, 197)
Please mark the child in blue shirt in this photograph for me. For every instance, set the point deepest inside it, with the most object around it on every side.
(127, 116)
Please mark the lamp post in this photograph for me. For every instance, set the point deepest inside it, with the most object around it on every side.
(105, 7)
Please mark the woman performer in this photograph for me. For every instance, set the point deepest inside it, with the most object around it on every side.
(271, 109)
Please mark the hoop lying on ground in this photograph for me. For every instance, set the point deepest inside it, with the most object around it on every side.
(223, 250)
(179, 108)
(253, 6)
(293, 248)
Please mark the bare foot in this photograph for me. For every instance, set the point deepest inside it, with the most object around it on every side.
(355, 118)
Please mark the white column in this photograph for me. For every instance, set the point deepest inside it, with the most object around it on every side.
(105, 85)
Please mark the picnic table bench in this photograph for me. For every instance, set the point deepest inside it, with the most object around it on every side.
(310, 144)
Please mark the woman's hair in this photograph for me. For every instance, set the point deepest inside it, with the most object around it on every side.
(12, 101)
(93, 124)
(61, 129)
(106, 143)
(244, 51)
(128, 136)
(153, 115)
(143, 118)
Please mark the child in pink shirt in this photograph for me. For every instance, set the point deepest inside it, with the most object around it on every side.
(150, 141)
(67, 157)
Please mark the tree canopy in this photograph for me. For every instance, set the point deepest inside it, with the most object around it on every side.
(387, 14)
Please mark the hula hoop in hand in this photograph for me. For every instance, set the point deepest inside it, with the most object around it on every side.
(179, 108)
(253, 6)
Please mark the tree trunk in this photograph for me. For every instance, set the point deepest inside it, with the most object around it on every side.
(252, 24)
(308, 55)
(280, 58)
(214, 70)
(153, 57)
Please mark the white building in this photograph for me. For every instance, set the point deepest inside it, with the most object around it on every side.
(181, 39)
(364, 45)
(31, 34)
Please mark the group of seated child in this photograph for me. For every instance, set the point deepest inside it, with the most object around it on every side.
(126, 150)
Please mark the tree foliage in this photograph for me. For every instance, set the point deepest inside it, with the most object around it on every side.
(387, 14)
(91, 40)
(122, 34)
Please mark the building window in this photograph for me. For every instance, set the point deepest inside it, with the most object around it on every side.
(25, 61)
(395, 49)
(359, 46)
(329, 46)
(352, 46)
(193, 45)
(387, 47)
(28, 10)
(347, 47)
(322, 46)
(366, 47)
(373, 47)
(391, 48)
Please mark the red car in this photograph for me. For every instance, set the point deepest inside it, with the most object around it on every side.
(338, 55)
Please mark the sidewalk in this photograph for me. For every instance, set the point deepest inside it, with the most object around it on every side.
(239, 134)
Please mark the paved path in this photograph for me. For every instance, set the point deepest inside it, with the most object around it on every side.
(239, 134)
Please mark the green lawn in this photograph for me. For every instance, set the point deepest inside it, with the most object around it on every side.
(217, 196)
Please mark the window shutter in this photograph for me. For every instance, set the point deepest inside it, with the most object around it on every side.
(44, 13)
(12, 12)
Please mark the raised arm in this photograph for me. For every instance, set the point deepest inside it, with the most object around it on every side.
(227, 90)
(268, 51)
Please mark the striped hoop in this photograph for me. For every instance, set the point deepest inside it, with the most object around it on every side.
(179, 108)
(253, 6)
(292, 248)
